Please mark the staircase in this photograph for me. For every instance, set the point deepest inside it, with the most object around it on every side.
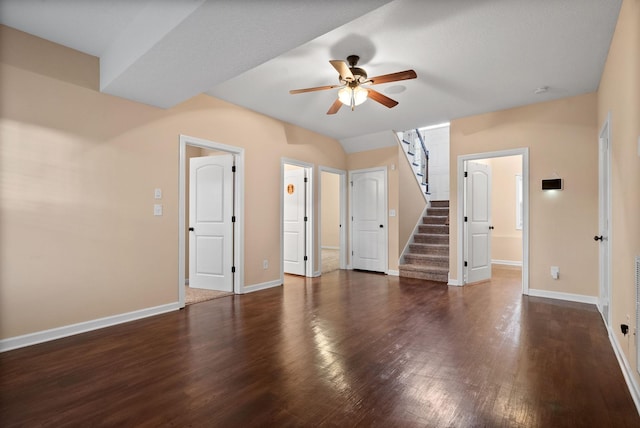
(428, 255)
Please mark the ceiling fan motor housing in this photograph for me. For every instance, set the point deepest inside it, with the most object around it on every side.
(359, 76)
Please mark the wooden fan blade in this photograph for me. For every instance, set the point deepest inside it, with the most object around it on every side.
(393, 77)
(335, 107)
(382, 99)
(317, 88)
(343, 69)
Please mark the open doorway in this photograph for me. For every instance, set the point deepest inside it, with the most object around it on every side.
(297, 238)
(493, 215)
(219, 224)
(333, 222)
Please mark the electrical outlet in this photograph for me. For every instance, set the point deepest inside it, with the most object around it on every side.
(265, 264)
(555, 272)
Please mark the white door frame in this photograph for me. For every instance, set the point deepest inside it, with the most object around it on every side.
(604, 206)
(238, 204)
(310, 238)
(386, 211)
(343, 213)
(524, 152)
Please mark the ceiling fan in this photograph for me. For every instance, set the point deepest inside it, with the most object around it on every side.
(354, 84)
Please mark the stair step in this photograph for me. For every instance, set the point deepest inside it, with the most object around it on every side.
(429, 238)
(436, 229)
(427, 260)
(433, 249)
(440, 204)
(434, 219)
(440, 211)
(421, 272)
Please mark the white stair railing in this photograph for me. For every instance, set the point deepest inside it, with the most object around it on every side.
(418, 157)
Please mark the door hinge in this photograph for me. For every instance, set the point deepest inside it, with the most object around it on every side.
(306, 179)
(233, 168)
(233, 219)
(305, 258)
(465, 219)
(352, 184)
(233, 269)
(465, 264)
(352, 253)
(466, 174)
(306, 218)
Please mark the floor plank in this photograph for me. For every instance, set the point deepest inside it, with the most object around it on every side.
(346, 349)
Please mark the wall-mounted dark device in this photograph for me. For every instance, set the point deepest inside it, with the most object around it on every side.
(624, 328)
(552, 184)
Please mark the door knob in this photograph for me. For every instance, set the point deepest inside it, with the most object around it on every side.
(597, 238)
(191, 229)
(381, 226)
(490, 227)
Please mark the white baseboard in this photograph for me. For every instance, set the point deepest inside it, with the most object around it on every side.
(316, 274)
(349, 267)
(393, 272)
(328, 247)
(261, 286)
(580, 298)
(507, 262)
(83, 327)
(453, 282)
(627, 371)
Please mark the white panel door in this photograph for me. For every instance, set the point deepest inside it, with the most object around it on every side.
(294, 238)
(478, 213)
(210, 225)
(369, 220)
(603, 205)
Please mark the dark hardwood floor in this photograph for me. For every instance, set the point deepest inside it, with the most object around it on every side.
(347, 349)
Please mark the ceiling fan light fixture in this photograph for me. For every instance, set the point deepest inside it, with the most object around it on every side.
(352, 96)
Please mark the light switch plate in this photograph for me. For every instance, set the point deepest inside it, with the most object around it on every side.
(392, 213)
(157, 193)
(157, 209)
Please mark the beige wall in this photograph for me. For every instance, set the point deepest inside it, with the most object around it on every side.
(78, 239)
(411, 202)
(330, 206)
(619, 94)
(387, 156)
(506, 240)
(562, 138)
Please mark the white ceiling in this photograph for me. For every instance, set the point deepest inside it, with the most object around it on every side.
(471, 56)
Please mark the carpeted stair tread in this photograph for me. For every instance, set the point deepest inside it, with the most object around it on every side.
(430, 238)
(435, 249)
(434, 229)
(423, 268)
(435, 219)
